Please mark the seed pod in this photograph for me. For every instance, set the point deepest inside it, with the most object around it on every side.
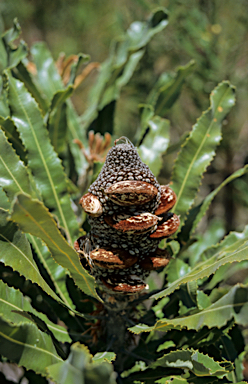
(167, 228)
(167, 200)
(159, 260)
(134, 224)
(112, 259)
(131, 284)
(131, 192)
(91, 204)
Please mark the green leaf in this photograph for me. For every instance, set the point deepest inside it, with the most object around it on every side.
(14, 53)
(4, 103)
(57, 119)
(43, 161)
(176, 269)
(117, 70)
(233, 305)
(76, 131)
(100, 357)
(27, 346)
(78, 369)
(194, 361)
(16, 253)
(168, 88)
(15, 179)
(230, 250)
(81, 58)
(47, 78)
(172, 379)
(140, 33)
(13, 300)
(199, 211)
(22, 74)
(4, 201)
(13, 33)
(56, 273)
(199, 149)
(33, 217)
(14, 175)
(13, 137)
(60, 97)
(155, 143)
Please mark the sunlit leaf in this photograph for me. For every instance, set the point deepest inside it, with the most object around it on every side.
(27, 346)
(199, 149)
(198, 212)
(194, 361)
(13, 301)
(78, 369)
(14, 175)
(47, 77)
(100, 357)
(234, 304)
(43, 161)
(226, 252)
(155, 143)
(33, 217)
(16, 253)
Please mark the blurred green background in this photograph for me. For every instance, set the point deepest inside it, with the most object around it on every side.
(213, 33)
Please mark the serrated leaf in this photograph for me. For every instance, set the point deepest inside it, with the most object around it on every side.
(176, 269)
(155, 143)
(57, 119)
(16, 253)
(4, 201)
(56, 273)
(78, 369)
(168, 88)
(140, 33)
(60, 97)
(117, 70)
(230, 250)
(14, 175)
(100, 357)
(199, 149)
(194, 361)
(43, 161)
(81, 58)
(13, 33)
(232, 305)
(198, 212)
(13, 137)
(47, 78)
(76, 131)
(27, 346)
(15, 179)
(172, 379)
(46, 67)
(33, 217)
(23, 75)
(13, 300)
(14, 53)
(57, 126)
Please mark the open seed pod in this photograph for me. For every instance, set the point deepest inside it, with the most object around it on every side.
(128, 212)
(131, 192)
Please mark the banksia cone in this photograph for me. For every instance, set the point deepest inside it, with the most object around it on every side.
(129, 214)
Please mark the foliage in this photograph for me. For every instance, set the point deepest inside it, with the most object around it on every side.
(51, 312)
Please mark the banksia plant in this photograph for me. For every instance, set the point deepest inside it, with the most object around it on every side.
(75, 303)
(129, 215)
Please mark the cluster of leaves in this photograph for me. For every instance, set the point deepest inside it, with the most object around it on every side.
(47, 298)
